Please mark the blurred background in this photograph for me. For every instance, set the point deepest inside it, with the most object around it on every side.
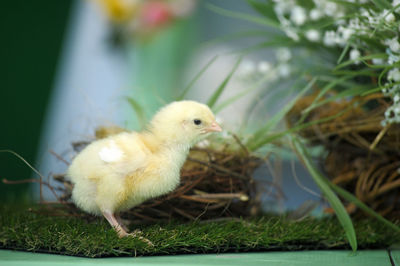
(33, 36)
(73, 66)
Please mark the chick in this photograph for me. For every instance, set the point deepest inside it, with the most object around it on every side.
(119, 172)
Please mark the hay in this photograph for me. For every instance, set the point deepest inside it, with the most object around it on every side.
(362, 155)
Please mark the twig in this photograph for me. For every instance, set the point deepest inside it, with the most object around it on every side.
(240, 144)
(16, 182)
(379, 137)
(240, 196)
(184, 214)
(219, 168)
(198, 199)
(59, 157)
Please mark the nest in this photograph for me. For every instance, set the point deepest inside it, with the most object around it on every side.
(215, 183)
(362, 155)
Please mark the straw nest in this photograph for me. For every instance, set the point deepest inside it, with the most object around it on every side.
(215, 183)
(362, 155)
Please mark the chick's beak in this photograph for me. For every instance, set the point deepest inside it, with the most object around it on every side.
(214, 127)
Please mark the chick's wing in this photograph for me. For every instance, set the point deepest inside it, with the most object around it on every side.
(111, 158)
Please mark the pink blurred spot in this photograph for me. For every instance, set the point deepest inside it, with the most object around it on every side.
(155, 14)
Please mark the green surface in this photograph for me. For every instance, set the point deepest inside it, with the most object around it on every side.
(325, 258)
(24, 230)
(396, 257)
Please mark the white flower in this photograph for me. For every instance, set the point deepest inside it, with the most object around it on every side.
(396, 3)
(291, 33)
(377, 61)
(365, 13)
(315, 14)
(330, 9)
(313, 35)
(264, 67)
(358, 25)
(247, 68)
(283, 55)
(283, 6)
(396, 98)
(345, 33)
(392, 114)
(354, 55)
(284, 70)
(298, 15)
(389, 17)
(330, 38)
(394, 74)
(393, 44)
(392, 58)
(339, 14)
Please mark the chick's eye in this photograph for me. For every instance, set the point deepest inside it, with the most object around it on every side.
(197, 121)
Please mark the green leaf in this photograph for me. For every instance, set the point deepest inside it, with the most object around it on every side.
(139, 111)
(215, 96)
(322, 92)
(198, 75)
(241, 94)
(382, 4)
(333, 200)
(344, 52)
(251, 18)
(296, 128)
(342, 95)
(237, 35)
(276, 41)
(264, 8)
(351, 198)
(253, 142)
(362, 58)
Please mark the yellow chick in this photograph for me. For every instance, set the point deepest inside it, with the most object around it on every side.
(119, 172)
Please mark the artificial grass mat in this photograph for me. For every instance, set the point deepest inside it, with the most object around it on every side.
(25, 230)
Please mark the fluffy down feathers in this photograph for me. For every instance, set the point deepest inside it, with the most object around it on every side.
(119, 172)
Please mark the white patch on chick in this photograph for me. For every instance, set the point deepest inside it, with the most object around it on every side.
(111, 153)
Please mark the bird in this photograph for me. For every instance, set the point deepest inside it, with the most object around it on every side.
(119, 172)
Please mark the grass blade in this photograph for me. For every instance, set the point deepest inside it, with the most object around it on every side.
(215, 96)
(139, 111)
(251, 18)
(382, 4)
(362, 58)
(351, 198)
(241, 94)
(253, 142)
(344, 52)
(198, 75)
(266, 9)
(330, 195)
(301, 126)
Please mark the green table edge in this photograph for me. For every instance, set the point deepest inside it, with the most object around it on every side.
(325, 258)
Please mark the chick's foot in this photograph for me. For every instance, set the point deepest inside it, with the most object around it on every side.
(137, 234)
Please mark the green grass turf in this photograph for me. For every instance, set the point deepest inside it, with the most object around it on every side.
(24, 230)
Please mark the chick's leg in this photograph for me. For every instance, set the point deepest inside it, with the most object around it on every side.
(120, 222)
(111, 218)
(120, 228)
(115, 224)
